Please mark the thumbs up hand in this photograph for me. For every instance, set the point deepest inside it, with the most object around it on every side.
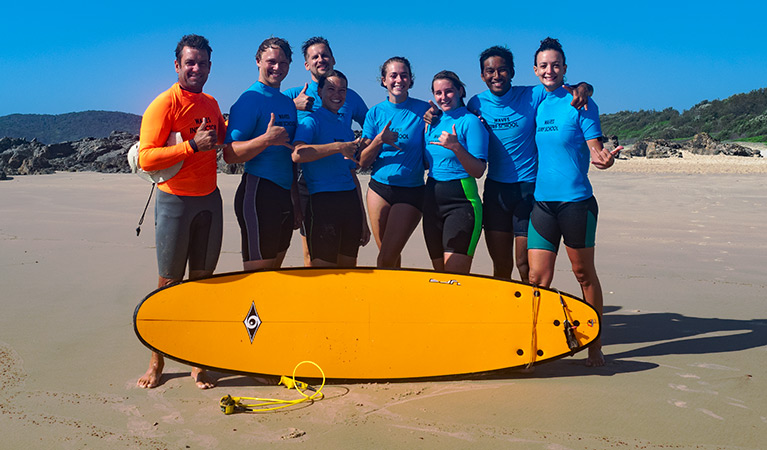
(205, 139)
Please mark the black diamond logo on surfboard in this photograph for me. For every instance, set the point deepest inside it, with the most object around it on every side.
(252, 321)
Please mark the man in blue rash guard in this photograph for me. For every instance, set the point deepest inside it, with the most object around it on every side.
(263, 202)
(509, 112)
(319, 61)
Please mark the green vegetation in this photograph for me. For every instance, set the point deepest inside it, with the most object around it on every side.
(740, 117)
(52, 129)
(762, 138)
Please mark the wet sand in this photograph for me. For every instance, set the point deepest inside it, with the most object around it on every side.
(680, 254)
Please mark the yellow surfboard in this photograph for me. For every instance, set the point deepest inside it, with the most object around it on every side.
(362, 323)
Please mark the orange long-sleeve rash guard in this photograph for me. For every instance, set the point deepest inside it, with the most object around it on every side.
(177, 110)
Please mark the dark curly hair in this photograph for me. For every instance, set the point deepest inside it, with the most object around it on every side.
(192, 41)
(499, 51)
(549, 44)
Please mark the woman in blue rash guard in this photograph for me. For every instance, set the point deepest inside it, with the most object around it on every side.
(565, 208)
(393, 143)
(456, 154)
(325, 146)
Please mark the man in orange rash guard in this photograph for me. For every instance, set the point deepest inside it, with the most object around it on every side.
(188, 208)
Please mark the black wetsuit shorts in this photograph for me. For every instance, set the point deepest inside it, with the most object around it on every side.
(573, 222)
(507, 206)
(398, 194)
(452, 217)
(333, 225)
(265, 213)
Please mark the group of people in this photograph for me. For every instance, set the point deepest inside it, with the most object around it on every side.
(301, 157)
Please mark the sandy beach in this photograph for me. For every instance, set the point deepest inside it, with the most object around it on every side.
(681, 256)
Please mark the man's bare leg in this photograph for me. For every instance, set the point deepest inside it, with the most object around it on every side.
(151, 379)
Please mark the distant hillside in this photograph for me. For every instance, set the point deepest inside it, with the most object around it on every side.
(52, 129)
(740, 117)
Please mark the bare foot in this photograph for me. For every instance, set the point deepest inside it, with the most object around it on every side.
(596, 358)
(202, 379)
(151, 378)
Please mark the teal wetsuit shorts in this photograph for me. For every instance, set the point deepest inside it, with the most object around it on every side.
(573, 222)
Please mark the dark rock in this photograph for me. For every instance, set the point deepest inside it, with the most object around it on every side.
(657, 148)
(61, 150)
(22, 157)
(703, 144)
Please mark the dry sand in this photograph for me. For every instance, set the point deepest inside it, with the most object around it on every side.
(681, 255)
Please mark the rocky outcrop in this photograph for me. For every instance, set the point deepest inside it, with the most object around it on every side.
(109, 155)
(703, 144)
(700, 144)
(657, 148)
(22, 157)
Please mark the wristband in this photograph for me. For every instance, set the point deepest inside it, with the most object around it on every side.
(193, 145)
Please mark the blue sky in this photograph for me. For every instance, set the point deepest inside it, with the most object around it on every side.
(78, 56)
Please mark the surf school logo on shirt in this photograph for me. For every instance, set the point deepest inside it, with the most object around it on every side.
(209, 126)
(284, 121)
(400, 135)
(504, 123)
(547, 126)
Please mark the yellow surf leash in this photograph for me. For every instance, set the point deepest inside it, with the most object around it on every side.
(231, 405)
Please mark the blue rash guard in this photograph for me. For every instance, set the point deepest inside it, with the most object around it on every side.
(563, 155)
(402, 167)
(249, 118)
(472, 135)
(354, 107)
(512, 156)
(333, 172)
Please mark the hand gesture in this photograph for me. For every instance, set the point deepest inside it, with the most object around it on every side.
(349, 149)
(387, 136)
(304, 102)
(580, 95)
(277, 135)
(447, 140)
(205, 139)
(432, 115)
(603, 158)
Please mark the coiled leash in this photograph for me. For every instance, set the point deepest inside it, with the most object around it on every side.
(231, 405)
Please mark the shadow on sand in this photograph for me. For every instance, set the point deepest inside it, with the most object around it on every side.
(676, 334)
